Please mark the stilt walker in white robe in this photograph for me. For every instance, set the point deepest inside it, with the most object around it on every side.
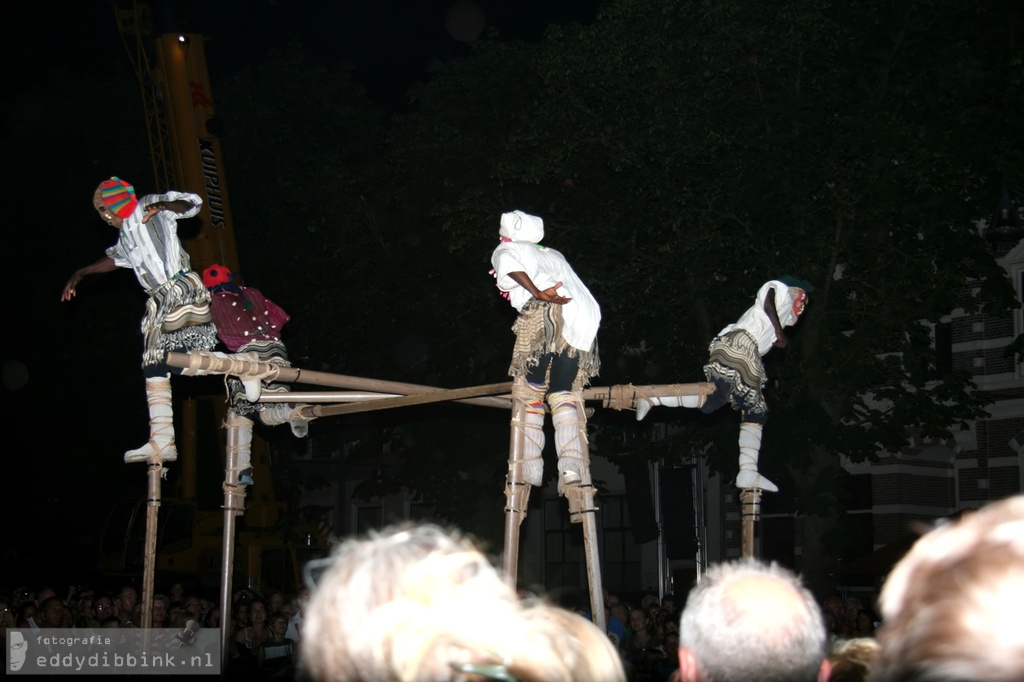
(737, 371)
(555, 351)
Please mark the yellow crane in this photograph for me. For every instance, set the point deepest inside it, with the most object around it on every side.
(271, 544)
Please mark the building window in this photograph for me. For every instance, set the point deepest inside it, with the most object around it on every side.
(944, 348)
(369, 518)
(620, 561)
(1018, 319)
(421, 513)
(564, 556)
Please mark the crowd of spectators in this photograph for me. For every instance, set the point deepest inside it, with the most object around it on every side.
(264, 631)
(945, 614)
(418, 602)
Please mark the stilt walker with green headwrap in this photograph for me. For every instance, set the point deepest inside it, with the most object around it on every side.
(735, 368)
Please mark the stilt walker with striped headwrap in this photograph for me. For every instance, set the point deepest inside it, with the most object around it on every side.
(177, 314)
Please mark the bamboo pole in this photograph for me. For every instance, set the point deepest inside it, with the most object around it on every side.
(198, 363)
(324, 396)
(624, 396)
(154, 474)
(382, 395)
(750, 511)
(617, 397)
(436, 396)
(234, 506)
(605, 394)
(517, 492)
(593, 563)
(583, 509)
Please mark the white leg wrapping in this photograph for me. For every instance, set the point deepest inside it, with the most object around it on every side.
(161, 424)
(253, 387)
(570, 431)
(644, 405)
(243, 449)
(299, 422)
(750, 448)
(533, 448)
(275, 413)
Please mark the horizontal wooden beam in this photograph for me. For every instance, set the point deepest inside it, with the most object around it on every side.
(381, 394)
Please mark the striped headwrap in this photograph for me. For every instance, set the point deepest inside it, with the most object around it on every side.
(118, 196)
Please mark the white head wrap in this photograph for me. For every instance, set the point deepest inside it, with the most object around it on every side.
(522, 227)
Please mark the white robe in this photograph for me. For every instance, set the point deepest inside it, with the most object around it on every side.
(546, 267)
(152, 249)
(755, 320)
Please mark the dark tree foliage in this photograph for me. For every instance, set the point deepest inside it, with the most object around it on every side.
(300, 145)
(682, 153)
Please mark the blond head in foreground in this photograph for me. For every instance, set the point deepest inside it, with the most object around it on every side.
(418, 603)
(951, 607)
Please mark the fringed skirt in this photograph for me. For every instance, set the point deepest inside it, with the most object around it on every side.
(267, 350)
(177, 319)
(538, 330)
(733, 359)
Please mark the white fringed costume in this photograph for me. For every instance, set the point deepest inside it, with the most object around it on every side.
(555, 351)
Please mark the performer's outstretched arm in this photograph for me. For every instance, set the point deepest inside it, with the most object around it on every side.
(179, 206)
(105, 264)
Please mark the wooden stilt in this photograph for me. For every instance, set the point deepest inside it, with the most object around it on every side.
(389, 394)
(583, 509)
(517, 491)
(750, 512)
(155, 473)
(234, 506)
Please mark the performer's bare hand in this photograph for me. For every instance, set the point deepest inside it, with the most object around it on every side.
(69, 288)
(551, 295)
(781, 341)
(151, 211)
(104, 264)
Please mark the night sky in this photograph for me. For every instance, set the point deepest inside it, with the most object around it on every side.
(45, 464)
(390, 42)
